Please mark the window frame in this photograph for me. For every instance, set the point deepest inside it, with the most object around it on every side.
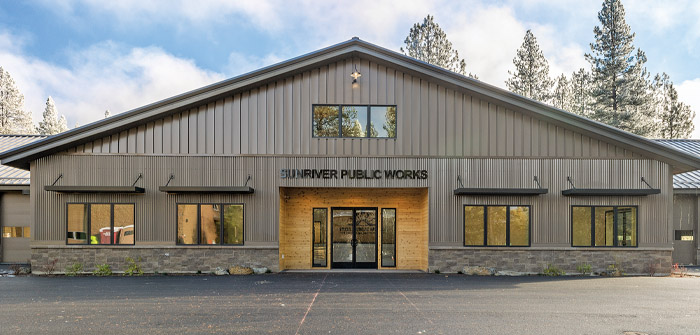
(486, 216)
(221, 223)
(340, 120)
(381, 245)
(89, 222)
(313, 237)
(615, 208)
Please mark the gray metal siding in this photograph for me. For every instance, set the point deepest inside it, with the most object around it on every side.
(685, 211)
(275, 119)
(156, 210)
(14, 212)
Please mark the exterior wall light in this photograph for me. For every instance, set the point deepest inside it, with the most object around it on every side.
(355, 74)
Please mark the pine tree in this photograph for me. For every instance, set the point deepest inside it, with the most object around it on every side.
(561, 94)
(531, 76)
(427, 42)
(619, 83)
(676, 118)
(580, 100)
(52, 124)
(13, 119)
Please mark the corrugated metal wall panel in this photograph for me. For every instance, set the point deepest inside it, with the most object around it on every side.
(156, 210)
(433, 121)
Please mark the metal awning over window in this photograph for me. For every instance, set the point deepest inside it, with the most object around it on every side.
(245, 189)
(591, 192)
(207, 189)
(638, 192)
(500, 190)
(94, 189)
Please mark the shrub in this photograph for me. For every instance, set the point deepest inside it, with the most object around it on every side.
(133, 267)
(652, 268)
(102, 270)
(51, 266)
(437, 271)
(553, 271)
(614, 270)
(75, 269)
(16, 269)
(584, 268)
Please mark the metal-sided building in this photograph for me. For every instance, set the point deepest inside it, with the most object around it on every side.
(351, 156)
(686, 207)
(14, 205)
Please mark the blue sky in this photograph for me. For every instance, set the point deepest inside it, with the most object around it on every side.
(93, 55)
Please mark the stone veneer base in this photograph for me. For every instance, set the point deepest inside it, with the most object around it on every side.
(448, 260)
(631, 261)
(155, 259)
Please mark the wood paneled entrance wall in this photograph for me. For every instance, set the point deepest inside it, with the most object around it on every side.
(296, 222)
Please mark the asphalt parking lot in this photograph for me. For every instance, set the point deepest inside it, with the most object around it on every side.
(349, 303)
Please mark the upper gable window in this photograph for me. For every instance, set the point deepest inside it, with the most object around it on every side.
(354, 121)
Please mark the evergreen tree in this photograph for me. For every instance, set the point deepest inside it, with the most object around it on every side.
(676, 118)
(427, 42)
(13, 119)
(561, 94)
(52, 124)
(619, 85)
(531, 76)
(390, 125)
(580, 100)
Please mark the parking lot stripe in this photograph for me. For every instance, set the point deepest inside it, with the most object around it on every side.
(311, 304)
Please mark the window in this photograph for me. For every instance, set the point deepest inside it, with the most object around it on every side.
(684, 235)
(100, 224)
(354, 121)
(388, 237)
(15, 232)
(498, 226)
(601, 226)
(320, 233)
(210, 224)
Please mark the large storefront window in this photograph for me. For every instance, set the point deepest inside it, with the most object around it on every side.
(100, 224)
(354, 121)
(600, 226)
(498, 226)
(210, 224)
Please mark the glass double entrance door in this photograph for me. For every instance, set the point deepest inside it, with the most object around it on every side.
(354, 238)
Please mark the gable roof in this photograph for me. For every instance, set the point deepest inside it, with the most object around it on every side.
(20, 157)
(11, 176)
(686, 181)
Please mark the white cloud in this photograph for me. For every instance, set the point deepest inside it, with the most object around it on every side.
(489, 37)
(262, 13)
(688, 93)
(239, 63)
(104, 76)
